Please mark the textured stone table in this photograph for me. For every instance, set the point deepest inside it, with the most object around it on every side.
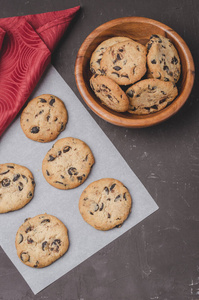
(158, 258)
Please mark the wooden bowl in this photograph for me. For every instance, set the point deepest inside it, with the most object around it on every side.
(139, 29)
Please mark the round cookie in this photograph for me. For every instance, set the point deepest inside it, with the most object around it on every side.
(163, 60)
(105, 204)
(125, 62)
(68, 163)
(16, 187)
(150, 95)
(109, 93)
(99, 51)
(44, 118)
(41, 240)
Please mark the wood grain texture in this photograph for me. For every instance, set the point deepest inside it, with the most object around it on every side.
(139, 29)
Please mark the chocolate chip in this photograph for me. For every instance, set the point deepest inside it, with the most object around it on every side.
(110, 97)
(138, 95)
(42, 100)
(5, 172)
(28, 228)
(117, 198)
(47, 173)
(133, 109)
(62, 127)
(98, 61)
(159, 76)
(112, 186)
(56, 243)
(35, 129)
(51, 158)
(45, 221)
(96, 75)
(29, 241)
(166, 79)
(174, 60)
(124, 196)
(36, 265)
(29, 195)
(5, 182)
(102, 71)
(147, 108)
(20, 186)
(48, 117)
(109, 215)
(86, 158)
(163, 92)
(66, 149)
(154, 107)
(153, 61)
(24, 177)
(106, 190)
(162, 101)
(62, 176)
(108, 199)
(166, 68)
(52, 101)
(137, 47)
(116, 68)
(91, 213)
(130, 93)
(72, 171)
(154, 36)
(25, 256)
(59, 182)
(152, 88)
(33, 183)
(118, 226)
(11, 167)
(102, 206)
(59, 153)
(26, 219)
(92, 70)
(79, 178)
(44, 245)
(20, 238)
(16, 177)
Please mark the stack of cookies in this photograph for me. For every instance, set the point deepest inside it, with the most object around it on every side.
(129, 76)
(104, 204)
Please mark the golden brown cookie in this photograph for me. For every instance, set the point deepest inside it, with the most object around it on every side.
(105, 204)
(163, 60)
(99, 51)
(125, 62)
(41, 240)
(44, 118)
(68, 163)
(150, 95)
(16, 187)
(109, 93)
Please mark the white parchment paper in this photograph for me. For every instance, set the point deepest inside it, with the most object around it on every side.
(15, 147)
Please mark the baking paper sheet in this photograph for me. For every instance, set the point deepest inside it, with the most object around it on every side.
(15, 147)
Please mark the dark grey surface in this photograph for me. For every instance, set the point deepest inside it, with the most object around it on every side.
(158, 258)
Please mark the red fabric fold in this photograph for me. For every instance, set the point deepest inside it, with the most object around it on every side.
(26, 44)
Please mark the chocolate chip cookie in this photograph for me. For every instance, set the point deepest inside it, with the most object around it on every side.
(124, 62)
(68, 163)
(105, 204)
(109, 93)
(16, 187)
(41, 240)
(150, 95)
(44, 118)
(163, 60)
(99, 51)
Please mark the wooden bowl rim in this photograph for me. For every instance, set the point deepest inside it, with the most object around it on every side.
(147, 120)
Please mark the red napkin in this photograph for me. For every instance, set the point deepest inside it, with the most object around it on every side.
(26, 44)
